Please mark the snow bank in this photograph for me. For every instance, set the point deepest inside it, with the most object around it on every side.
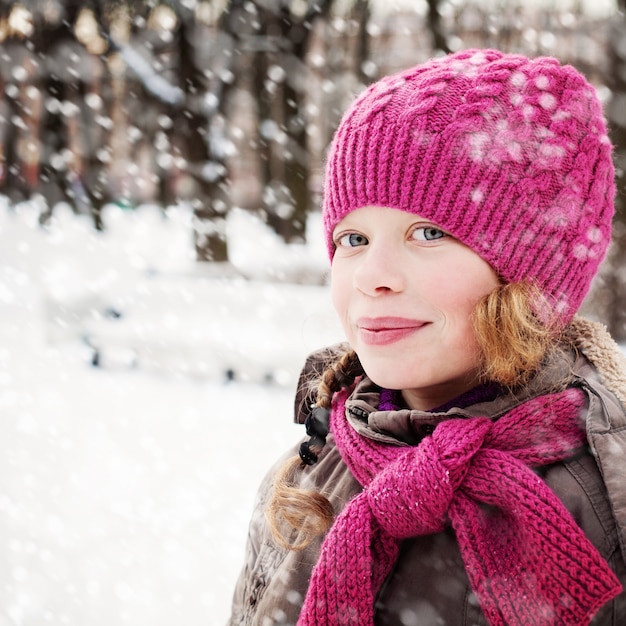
(126, 490)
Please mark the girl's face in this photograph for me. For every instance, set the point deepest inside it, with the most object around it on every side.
(404, 290)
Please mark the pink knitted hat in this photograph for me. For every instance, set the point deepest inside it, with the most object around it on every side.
(508, 154)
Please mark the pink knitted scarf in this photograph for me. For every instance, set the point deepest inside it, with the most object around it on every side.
(527, 560)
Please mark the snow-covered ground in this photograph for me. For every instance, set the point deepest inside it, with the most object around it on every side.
(125, 489)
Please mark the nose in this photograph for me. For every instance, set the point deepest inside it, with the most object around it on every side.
(380, 270)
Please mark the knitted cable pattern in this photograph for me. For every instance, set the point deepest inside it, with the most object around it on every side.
(527, 560)
(510, 155)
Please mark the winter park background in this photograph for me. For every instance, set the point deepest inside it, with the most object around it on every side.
(126, 490)
(145, 388)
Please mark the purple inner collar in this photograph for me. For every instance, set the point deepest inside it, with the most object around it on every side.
(391, 400)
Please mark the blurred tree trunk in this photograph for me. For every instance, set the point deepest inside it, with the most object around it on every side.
(198, 138)
(616, 112)
(277, 39)
(440, 42)
(67, 168)
(189, 140)
(13, 113)
(49, 145)
(363, 12)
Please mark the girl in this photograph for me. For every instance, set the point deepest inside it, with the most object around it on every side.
(465, 454)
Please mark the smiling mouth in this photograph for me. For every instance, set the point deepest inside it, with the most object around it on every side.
(386, 330)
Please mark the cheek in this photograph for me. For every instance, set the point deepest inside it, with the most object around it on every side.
(474, 281)
(460, 302)
(339, 292)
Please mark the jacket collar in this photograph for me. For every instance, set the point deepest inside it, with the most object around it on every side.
(603, 373)
(409, 426)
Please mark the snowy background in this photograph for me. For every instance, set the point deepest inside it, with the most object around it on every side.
(126, 487)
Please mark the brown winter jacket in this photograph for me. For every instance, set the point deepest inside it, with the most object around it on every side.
(428, 585)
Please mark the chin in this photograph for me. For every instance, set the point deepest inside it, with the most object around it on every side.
(392, 376)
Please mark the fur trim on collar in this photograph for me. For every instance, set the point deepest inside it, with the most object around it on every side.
(595, 342)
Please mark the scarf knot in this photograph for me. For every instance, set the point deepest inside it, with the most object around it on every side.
(411, 496)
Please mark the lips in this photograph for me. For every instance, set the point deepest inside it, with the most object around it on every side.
(380, 331)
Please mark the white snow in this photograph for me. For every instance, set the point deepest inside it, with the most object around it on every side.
(126, 490)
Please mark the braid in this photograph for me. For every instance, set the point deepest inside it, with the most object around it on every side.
(339, 375)
(308, 514)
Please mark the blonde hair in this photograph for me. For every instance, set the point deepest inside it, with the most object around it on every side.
(307, 512)
(513, 342)
(514, 332)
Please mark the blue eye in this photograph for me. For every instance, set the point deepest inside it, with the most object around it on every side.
(352, 240)
(428, 233)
